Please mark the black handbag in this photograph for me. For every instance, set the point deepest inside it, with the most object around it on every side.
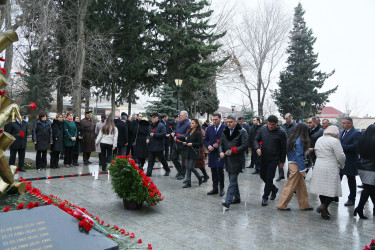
(308, 160)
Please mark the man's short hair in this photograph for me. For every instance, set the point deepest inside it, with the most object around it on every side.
(258, 119)
(317, 118)
(240, 118)
(289, 115)
(349, 119)
(231, 116)
(313, 118)
(217, 114)
(185, 113)
(272, 119)
(326, 120)
(124, 117)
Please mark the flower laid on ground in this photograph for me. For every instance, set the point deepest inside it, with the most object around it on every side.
(20, 206)
(4, 71)
(6, 209)
(140, 241)
(130, 182)
(85, 224)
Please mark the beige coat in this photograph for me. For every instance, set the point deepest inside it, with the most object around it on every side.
(325, 178)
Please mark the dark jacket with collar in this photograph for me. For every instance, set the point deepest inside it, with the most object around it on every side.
(58, 136)
(248, 130)
(274, 143)
(289, 128)
(14, 129)
(42, 135)
(197, 140)
(234, 162)
(210, 139)
(254, 130)
(122, 128)
(180, 132)
(157, 140)
(141, 147)
(168, 131)
(314, 136)
(349, 144)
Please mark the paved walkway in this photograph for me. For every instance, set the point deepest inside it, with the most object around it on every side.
(189, 219)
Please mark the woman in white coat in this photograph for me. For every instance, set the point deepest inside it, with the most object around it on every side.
(330, 159)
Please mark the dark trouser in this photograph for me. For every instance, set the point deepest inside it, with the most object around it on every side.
(233, 192)
(41, 159)
(281, 172)
(121, 150)
(54, 162)
(151, 161)
(326, 200)
(267, 173)
(255, 160)
(352, 186)
(21, 157)
(130, 150)
(166, 150)
(181, 168)
(75, 157)
(217, 178)
(190, 168)
(105, 155)
(86, 156)
(68, 156)
(368, 191)
(141, 162)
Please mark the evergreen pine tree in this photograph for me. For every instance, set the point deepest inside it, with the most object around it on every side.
(301, 80)
(167, 103)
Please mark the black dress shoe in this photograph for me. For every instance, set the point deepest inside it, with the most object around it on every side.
(181, 177)
(148, 174)
(200, 180)
(308, 209)
(273, 194)
(284, 209)
(89, 162)
(167, 173)
(225, 204)
(251, 166)
(256, 172)
(205, 178)
(360, 186)
(235, 201)
(187, 185)
(264, 202)
(213, 191)
(75, 164)
(349, 203)
(360, 213)
(85, 163)
(222, 192)
(280, 178)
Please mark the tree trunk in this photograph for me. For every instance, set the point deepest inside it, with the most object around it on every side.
(77, 82)
(113, 103)
(87, 98)
(9, 49)
(129, 104)
(59, 99)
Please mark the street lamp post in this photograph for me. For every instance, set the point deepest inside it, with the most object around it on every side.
(178, 84)
(303, 103)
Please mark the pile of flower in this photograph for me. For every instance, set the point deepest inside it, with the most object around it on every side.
(371, 246)
(86, 220)
(130, 182)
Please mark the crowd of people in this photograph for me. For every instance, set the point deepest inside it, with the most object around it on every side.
(186, 142)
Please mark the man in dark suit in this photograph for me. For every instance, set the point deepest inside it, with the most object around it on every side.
(122, 139)
(232, 147)
(19, 130)
(254, 156)
(315, 132)
(349, 138)
(168, 129)
(211, 141)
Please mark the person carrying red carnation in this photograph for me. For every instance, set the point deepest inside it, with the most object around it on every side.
(232, 147)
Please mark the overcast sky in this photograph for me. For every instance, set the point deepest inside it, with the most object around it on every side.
(345, 31)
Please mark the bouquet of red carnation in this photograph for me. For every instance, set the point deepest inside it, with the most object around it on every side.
(234, 150)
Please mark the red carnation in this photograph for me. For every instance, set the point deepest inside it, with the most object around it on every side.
(49, 177)
(4, 71)
(178, 134)
(140, 241)
(19, 73)
(72, 175)
(20, 206)
(110, 236)
(32, 106)
(132, 235)
(30, 205)
(153, 130)
(6, 209)
(234, 150)
(36, 204)
(218, 140)
(62, 176)
(2, 92)
(149, 246)
(22, 134)
(2, 59)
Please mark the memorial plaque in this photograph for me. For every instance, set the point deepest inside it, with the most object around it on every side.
(47, 227)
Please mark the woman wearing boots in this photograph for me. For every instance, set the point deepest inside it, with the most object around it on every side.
(78, 147)
(297, 145)
(200, 162)
(194, 141)
(330, 159)
(70, 138)
(141, 147)
(42, 138)
(108, 141)
(58, 140)
(366, 170)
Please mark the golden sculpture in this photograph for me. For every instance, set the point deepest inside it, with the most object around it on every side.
(8, 112)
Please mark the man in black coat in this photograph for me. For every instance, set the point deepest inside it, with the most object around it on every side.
(122, 139)
(245, 126)
(232, 147)
(272, 154)
(18, 129)
(133, 127)
(315, 132)
(168, 129)
(155, 141)
(254, 156)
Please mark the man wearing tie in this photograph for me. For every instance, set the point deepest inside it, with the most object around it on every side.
(349, 138)
(211, 140)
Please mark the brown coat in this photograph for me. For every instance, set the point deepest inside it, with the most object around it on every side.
(88, 127)
(200, 162)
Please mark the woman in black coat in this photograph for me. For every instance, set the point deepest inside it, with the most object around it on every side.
(58, 140)
(42, 138)
(141, 145)
(194, 141)
(78, 146)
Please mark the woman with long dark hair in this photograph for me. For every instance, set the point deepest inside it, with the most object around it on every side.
(70, 138)
(330, 158)
(78, 147)
(194, 141)
(108, 141)
(366, 169)
(297, 145)
(42, 138)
